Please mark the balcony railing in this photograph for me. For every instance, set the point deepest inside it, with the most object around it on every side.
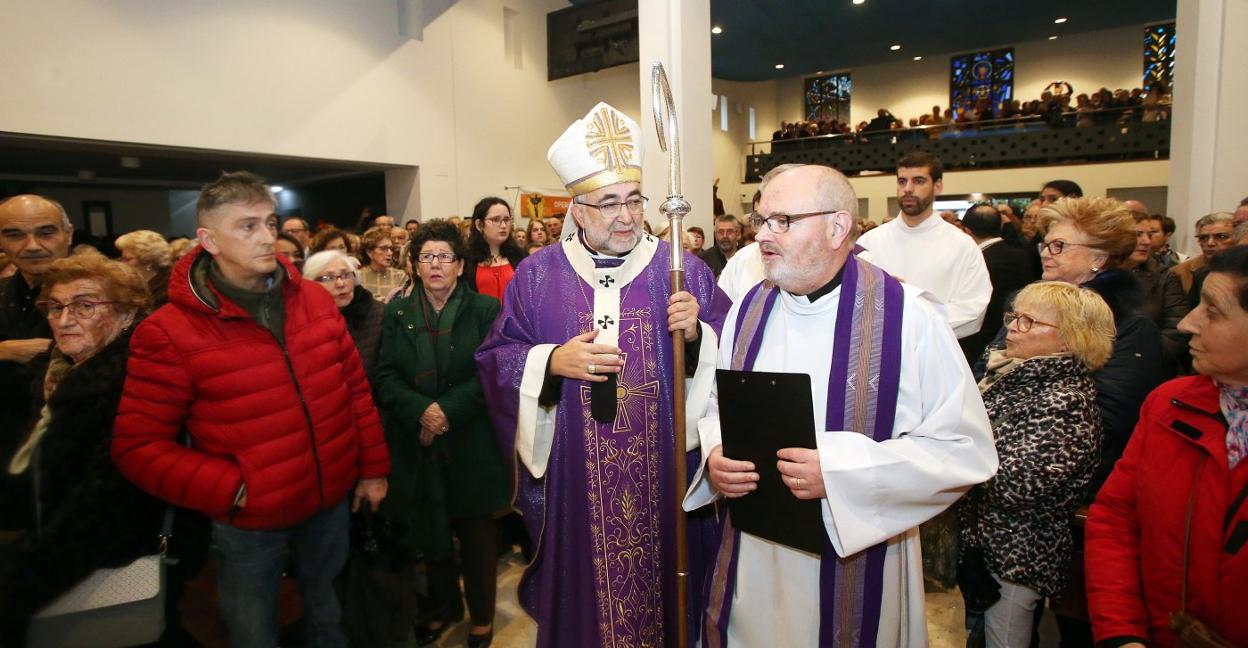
(982, 145)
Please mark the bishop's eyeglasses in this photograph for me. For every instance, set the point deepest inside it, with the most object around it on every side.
(634, 205)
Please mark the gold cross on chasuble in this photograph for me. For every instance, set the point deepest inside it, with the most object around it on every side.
(626, 391)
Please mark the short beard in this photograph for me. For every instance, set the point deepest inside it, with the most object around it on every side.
(919, 207)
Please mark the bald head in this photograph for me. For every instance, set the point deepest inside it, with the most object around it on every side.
(1135, 206)
(809, 250)
(34, 232)
(823, 188)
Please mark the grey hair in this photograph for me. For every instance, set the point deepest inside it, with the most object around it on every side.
(1215, 218)
(1240, 233)
(313, 265)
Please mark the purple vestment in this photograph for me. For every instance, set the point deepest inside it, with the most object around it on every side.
(602, 514)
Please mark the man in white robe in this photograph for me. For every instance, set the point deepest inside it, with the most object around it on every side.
(923, 250)
(872, 492)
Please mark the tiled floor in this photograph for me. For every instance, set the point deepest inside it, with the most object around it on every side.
(514, 629)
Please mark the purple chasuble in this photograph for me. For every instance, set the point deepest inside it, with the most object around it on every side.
(862, 396)
(602, 514)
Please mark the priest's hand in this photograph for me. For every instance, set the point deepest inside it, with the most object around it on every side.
(732, 478)
(682, 314)
(581, 359)
(800, 471)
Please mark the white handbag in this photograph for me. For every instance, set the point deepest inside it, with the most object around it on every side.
(118, 606)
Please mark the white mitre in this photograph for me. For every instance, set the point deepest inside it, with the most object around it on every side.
(600, 149)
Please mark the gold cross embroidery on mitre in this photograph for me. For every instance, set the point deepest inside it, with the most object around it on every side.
(609, 140)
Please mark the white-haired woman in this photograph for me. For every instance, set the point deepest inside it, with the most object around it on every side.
(339, 274)
(150, 254)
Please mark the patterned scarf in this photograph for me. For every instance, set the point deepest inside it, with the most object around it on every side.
(1234, 402)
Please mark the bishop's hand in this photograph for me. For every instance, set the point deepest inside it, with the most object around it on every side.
(800, 471)
(730, 477)
(580, 359)
(682, 314)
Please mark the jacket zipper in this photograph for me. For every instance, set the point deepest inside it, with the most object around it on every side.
(1192, 408)
(307, 415)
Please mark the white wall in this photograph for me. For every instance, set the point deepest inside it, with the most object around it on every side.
(311, 78)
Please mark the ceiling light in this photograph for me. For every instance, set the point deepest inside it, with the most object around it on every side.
(717, 29)
(895, 47)
(779, 66)
(1053, 38)
(918, 58)
(859, 1)
(1059, 21)
(277, 188)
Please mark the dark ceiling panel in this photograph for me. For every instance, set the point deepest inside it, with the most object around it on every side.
(812, 35)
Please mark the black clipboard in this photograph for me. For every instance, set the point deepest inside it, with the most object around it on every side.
(760, 413)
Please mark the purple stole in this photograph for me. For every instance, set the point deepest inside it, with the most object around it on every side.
(862, 396)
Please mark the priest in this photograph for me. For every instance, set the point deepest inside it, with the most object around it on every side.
(577, 372)
(901, 433)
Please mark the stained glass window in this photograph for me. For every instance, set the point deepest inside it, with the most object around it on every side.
(981, 75)
(1159, 56)
(827, 97)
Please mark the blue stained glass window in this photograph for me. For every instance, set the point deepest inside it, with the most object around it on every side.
(1159, 56)
(827, 97)
(987, 75)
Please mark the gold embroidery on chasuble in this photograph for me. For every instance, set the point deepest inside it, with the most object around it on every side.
(622, 471)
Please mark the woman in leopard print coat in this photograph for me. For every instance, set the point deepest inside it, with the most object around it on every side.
(1040, 396)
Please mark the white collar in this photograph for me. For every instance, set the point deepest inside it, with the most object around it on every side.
(990, 242)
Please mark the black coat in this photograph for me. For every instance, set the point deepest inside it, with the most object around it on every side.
(91, 516)
(1165, 304)
(18, 321)
(363, 317)
(1133, 370)
(1009, 269)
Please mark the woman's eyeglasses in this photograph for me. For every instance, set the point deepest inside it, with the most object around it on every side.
(329, 279)
(1025, 321)
(78, 309)
(430, 257)
(1056, 246)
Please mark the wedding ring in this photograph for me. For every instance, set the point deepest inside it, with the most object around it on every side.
(592, 367)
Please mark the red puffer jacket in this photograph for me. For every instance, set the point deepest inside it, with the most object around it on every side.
(1135, 529)
(297, 424)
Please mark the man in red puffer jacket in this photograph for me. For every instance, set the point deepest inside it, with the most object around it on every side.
(258, 366)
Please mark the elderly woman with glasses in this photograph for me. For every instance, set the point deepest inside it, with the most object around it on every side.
(88, 515)
(378, 273)
(340, 275)
(1016, 542)
(448, 477)
(492, 253)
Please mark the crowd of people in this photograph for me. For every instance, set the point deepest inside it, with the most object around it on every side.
(1062, 379)
(1056, 107)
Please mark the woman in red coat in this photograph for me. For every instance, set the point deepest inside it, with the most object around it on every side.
(1167, 532)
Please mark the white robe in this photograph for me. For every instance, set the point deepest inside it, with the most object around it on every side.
(941, 445)
(742, 271)
(940, 259)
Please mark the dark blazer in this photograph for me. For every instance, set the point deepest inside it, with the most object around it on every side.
(18, 321)
(92, 517)
(1165, 304)
(1009, 270)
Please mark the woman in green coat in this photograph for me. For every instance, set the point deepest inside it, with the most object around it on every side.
(447, 471)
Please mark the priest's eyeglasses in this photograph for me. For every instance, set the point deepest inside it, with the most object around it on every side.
(430, 257)
(78, 309)
(1025, 321)
(634, 205)
(779, 223)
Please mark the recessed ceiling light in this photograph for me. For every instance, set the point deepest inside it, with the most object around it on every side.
(859, 1)
(1059, 21)
(1053, 38)
(779, 66)
(717, 30)
(895, 47)
(277, 188)
(918, 58)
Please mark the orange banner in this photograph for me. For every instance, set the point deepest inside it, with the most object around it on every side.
(546, 206)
